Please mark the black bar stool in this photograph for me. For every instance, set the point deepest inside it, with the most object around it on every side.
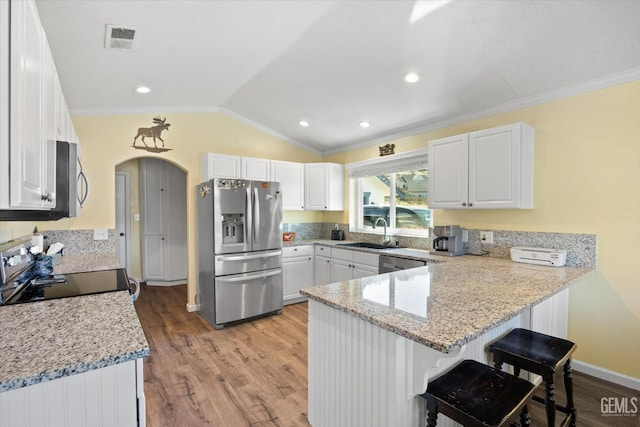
(542, 355)
(476, 395)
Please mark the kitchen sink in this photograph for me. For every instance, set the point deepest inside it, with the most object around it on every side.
(368, 245)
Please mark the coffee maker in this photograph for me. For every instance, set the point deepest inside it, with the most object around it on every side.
(448, 240)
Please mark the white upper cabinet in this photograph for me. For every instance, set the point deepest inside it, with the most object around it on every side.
(214, 165)
(29, 110)
(323, 186)
(305, 186)
(487, 169)
(256, 169)
(291, 177)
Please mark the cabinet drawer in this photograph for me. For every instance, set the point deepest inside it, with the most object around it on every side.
(294, 251)
(323, 250)
(365, 258)
(343, 254)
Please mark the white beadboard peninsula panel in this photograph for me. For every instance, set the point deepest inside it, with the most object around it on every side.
(363, 375)
(105, 397)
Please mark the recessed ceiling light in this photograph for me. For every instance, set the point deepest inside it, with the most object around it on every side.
(142, 89)
(412, 77)
(365, 124)
(303, 123)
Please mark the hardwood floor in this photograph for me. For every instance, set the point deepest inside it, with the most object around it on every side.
(255, 373)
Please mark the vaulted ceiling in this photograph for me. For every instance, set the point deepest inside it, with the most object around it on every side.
(336, 63)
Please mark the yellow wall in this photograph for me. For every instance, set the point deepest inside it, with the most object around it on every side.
(587, 180)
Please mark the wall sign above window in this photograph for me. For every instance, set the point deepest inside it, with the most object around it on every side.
(154, 132)
(386, 150)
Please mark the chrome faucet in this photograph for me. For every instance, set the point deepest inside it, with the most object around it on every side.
(384, 222)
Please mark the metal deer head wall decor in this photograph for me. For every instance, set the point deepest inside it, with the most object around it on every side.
(152, 132)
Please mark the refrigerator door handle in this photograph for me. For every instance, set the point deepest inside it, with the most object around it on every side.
(247, 257)
(248, 228)
(256, 217)
(246, 277)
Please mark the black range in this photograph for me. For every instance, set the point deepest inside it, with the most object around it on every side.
(71, 285)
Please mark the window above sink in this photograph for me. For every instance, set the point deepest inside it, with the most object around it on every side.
(393, 188)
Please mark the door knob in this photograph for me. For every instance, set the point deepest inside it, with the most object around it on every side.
(121, 234)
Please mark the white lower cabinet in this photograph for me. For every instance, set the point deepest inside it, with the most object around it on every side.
(349, 264)
(111, 396)
(322, 265)
(297, 272)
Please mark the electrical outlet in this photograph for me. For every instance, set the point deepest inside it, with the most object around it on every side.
(486, 237)
(100, 234)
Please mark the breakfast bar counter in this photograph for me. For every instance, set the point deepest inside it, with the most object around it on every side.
(375, 341)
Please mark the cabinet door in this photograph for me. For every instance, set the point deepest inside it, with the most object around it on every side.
(362, 270)
(291, 177)
(496, 167)
(219, 166)
(154, 247)
(341, 270)
(50, 105)
(322, 270)
(297, 273)
(27, 89)
(316, 187)
(257, 169)
(448, 172)
(152, 186)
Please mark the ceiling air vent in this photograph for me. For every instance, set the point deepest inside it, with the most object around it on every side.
(121, 37)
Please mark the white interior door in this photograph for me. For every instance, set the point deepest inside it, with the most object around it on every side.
(123, 208)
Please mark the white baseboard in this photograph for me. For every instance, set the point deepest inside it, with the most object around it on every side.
(193, 307)
(606, 374)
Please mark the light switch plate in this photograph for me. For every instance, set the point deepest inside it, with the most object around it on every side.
(100, 234)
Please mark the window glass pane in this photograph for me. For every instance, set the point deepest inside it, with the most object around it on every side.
(411, 200)
(375, 198)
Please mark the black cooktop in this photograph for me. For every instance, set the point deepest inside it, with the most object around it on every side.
(72, 285)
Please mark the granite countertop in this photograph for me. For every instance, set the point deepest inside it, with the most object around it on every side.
(445, 305)
(86, 262)
(45, 340)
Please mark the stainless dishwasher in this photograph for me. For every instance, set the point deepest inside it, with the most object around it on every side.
(388, 264)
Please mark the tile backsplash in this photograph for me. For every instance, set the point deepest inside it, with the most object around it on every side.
(581, 248)
(81, 241)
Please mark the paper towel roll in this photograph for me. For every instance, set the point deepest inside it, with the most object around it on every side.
(37, 242)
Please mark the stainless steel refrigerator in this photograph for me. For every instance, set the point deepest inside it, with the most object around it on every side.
(239, 234)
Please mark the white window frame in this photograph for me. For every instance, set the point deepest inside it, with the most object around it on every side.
(393, 164)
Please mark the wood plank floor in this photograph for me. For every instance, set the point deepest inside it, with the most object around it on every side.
(255, 373)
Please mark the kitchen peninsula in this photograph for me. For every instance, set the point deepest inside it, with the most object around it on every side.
(375, 342)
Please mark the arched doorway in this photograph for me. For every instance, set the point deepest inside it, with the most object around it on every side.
(151, 222)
